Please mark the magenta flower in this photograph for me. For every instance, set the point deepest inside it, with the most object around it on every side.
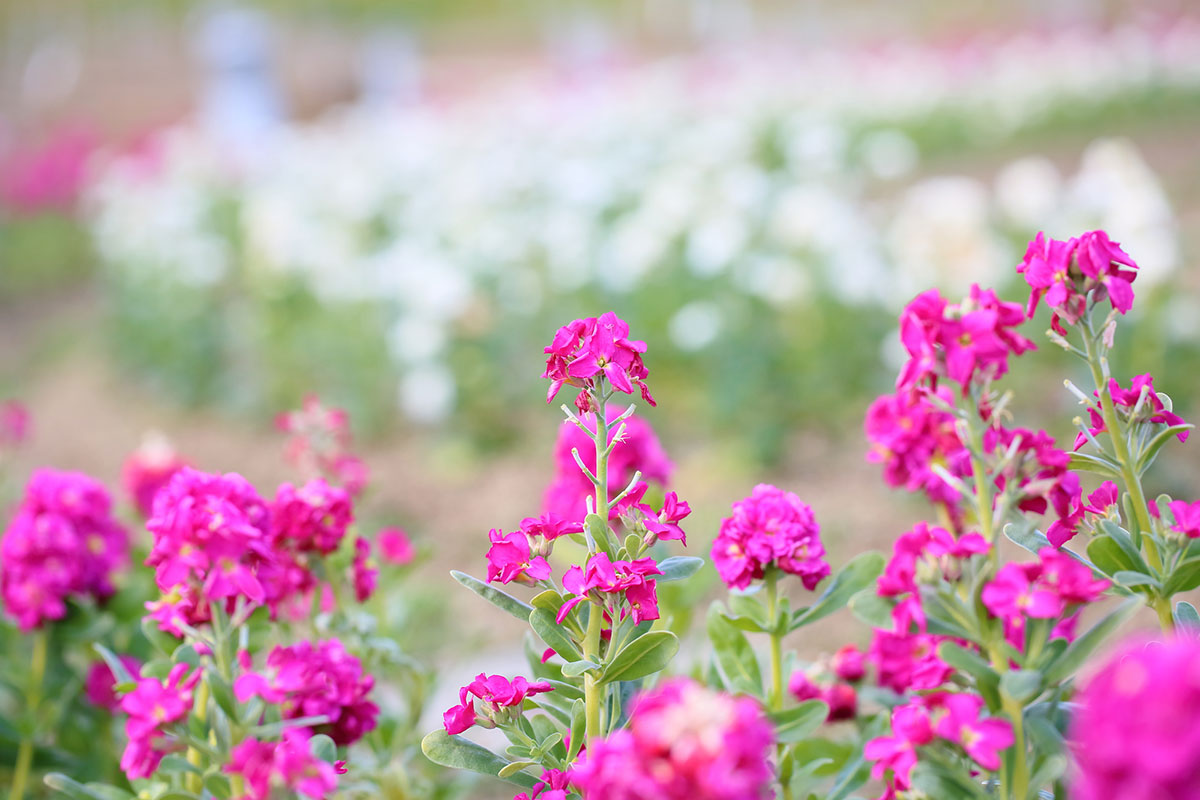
(152, 707)
(499, 697)
(1066, 272)
(908, 435)
(321, 679)
(906, 661)
(148, 469)
(771, 527)
(549, 526)
(100, 683)
(395, 546)
(802, 687)
(982, 739)
(14, 424)
(363, 571)
(896, 755)
(62, 544)
(1134, 736)
(320, 444)
(311, 519)
(1104, 498)
(1187, 517)
(602, 579)
(288, 764)
(510, 559)
(588, 348)
(552, 786)
(1045, 590)
(664, 525)
(1153, 409)
(1014, 594)
(848, 664)
(638, 451)
(683, 741)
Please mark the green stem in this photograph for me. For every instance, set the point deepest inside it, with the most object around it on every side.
(194, 756)
(592, 691)
(25, 750)
(1020, 778)
(775, 700)
(983, 489)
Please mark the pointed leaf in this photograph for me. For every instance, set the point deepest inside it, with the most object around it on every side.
(851, 579)
(1025, 534)
(798, 722)
(676, 568)
(458, 753)
(643, 656)
(501, 600)
(735, 657)
(554, 635)
(1077, 652)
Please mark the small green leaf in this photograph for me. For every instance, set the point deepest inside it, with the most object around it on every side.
(71, 788)
(1184, 578)
(735, 657)
(643, 656)
(1021, 685)
(323, 748)
(554, 635)
(1150, 451)
(501, 600)
(1187, 617)
(574, 669)
(1077, 652)
(1025, 534)
(871, 609)
(159, 639)
(458, 753)
(550, 600)
(676, 568)
(971, 663)
(1097, 465)
(1130, 579)
(1109, 557)
(851, 579)
(514, 768)
(115, 664)
(798, 722)
(578, 725)
(1125, 541)
(186, 654)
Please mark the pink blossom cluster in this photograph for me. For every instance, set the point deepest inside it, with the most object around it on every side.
(929, 553)
(770, 528)
(100, 684)
(627, 584)
(684, 741)
(148, 469)
(1066, 272)
(967, 342)
(364, 573)
(586, 349)
(841, 698)
(153, 706)
(520, 556)
(952, 718)
(501, 699)
(395, 546)
(638, 450)
(1134, 735)
(311, 680)
(321, 444)
(554, 785)
(312, 518)
(655, 526)
(1129, 398)
(1042, 476)
(50, 177)
(62, 543)
(1056, 585)
(287, 764)
(909, 435)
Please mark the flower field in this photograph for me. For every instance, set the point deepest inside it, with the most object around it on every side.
(749, 421)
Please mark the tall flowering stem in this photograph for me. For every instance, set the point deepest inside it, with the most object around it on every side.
(33, 698)
(592, 695)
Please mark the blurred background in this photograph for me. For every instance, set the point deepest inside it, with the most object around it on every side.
(209, 210)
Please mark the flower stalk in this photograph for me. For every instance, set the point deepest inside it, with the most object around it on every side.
(25, 750)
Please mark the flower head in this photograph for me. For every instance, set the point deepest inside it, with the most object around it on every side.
(153, 706)
(395, 547)
(630, 582)
(321, 443)
(1066, 272)
(1150, 410)
(100, 683)
(771, 527)
(500, 697)
(148, 469)
(594, 346)
(286, 764)
(511, 559)
(312, 518)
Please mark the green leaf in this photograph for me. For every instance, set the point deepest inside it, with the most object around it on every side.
(676, 568)
(458, 753)
(514, 768)
(323, 748)
(73, 789)
(643, 656)
(578, 728)
(597, 527)
(1150, 451)
(554, 635)
(222, 693)
(1025, 534)
(574, 669)
(967, 661)
(871, 609)
(851, 579)
(937, 780)
(1130, 579)
(747, 613)
(798, 722)
(1109, 557)
(501, 600)
(159, 639)
(1125, 540)
(1187, 617)
(1095, 464)
(550, 600)
(186, 654)
(1021, 685)
(1184, 578)
(115, 664)
(1066, 665)
(735, 657)
(1049, 771)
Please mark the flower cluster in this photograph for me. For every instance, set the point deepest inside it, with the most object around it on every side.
(153, 706)
(148, 469)
(100, 683)
(288, 764)
(316, 680)
(63, 543)
(321, 444)
(909, 436)
(770, 528)
(1150, 408)
(924, 553)
(1038, 471)
(841, 698)
(966, 342)
(629, 582)
(501, 699)
(554, 785)
(311, 519)
(683, 741)
(594, 346)
(952, 718)
(1134, 736)
(1066, 272)
(638, 450)
(520, 556)
(1056, 585)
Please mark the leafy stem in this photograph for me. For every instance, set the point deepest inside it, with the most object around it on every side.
(25, 750)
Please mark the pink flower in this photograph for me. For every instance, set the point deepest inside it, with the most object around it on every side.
(1104, 498)
(981, 739)
(148, 469)
(964, 342)
(1013, 594)
(802, 687)
(100, 683)
(638, 451)
(311, 519)
(497, 694)
(909, 435)
(1066, 272)
(320, 444)
(510, 559)
(395, 546)
(288, 764)
(549, 526)
(906, 661)
(552, 786)
(364, 571)
(629, 580)
(848, 663)
(771, 527)
(49, 178)
(842, 700)
(683, 741)
(663, 525)
(62, 544)
(152, 707)
(1134, 735)
(317, 679)
(588, 348)
(14, 424)
(1045, 590)
(1187, 517)
(1153, 410)
(896, 755)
